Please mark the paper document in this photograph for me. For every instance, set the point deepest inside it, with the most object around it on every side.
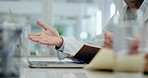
(105, 60)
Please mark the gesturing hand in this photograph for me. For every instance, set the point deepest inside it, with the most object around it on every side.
(49, 36)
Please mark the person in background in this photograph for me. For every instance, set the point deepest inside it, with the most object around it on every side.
(68, 46)
(131, 4)
(140, 5)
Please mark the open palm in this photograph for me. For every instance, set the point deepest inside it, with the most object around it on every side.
(49, 36)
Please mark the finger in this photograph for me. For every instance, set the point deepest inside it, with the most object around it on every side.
(42, 25)
(39, 40)
(35, 34)
(43, 42)
(35, 39)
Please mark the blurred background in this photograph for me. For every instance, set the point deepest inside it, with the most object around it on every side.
(81, 19)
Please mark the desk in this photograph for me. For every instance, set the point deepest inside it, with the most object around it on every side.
(67, 73)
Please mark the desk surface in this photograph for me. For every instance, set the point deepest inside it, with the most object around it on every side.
(70, 73)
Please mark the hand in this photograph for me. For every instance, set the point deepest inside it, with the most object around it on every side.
(133, 48)
(49, 36)
(108, 40)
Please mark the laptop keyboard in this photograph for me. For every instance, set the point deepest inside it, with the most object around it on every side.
(52, 62)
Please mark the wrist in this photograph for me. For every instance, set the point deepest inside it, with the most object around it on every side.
(60, 42)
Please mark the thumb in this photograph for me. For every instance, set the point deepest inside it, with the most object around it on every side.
(42, 25)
